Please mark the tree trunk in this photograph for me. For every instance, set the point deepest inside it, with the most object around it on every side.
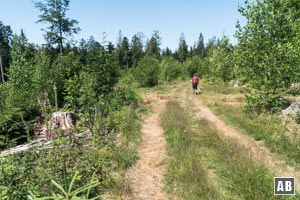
(1, 70)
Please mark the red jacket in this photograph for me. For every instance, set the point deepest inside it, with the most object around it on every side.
(195, 79)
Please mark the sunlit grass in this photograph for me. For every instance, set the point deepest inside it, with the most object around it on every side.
(204, 165)
(268, 128)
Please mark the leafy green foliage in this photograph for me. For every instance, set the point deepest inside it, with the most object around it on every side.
(21, 72)
(88, 80)
(220, 62)
(267, 50)
(67, 69)
(18, 94)
(147, 72)
(194, 66)
(12, 131)
(170, 69)
(166, 52)
(265, 102)
(42, 72)
(211, 44)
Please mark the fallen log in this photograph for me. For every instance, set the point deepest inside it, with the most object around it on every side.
(40, 143)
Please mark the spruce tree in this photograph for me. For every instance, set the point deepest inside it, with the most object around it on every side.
(153, 46)
(200, 48)
(182, 49)
(136, 49)
(5, 49)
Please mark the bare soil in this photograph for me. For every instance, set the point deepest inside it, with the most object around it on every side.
(146, 178)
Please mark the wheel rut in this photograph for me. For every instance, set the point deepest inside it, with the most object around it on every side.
(146, 178)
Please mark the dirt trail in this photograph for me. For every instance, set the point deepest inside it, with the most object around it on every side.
(146, 178)
(257, 149)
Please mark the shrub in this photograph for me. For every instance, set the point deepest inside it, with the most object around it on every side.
(265, 102)
(147, 71)
(170, 69)
(192, 66)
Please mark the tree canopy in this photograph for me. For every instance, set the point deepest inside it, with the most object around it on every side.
(60, 28)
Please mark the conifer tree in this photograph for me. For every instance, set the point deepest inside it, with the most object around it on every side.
(125, 53)
(136, 49)
(153, 46)
(200, 48)
(5, 49)
(182, 49)
(21, 71)
(60, 28)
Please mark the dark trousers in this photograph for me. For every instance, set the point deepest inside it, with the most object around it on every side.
(195, 86)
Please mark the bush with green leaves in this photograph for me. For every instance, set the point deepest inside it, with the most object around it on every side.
(267, 53)
(265, 102)
(15, 123)
(18, 95)
(220, 62)
(169, 69)
(90, 78)
(193, 66)
(147, 71)
(21, 72)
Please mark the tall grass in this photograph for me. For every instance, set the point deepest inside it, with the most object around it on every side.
(203, 165)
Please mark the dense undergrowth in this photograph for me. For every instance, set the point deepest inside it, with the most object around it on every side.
(105, 155)
(112, 129)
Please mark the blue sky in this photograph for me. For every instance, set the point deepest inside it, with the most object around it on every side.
(169, 17)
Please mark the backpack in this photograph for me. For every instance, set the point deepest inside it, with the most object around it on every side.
(195, 79)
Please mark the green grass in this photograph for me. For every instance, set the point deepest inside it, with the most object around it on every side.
(204, 165)
(221, 87)
(268, 128)
(186, 176)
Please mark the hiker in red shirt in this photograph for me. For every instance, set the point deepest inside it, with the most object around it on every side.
(195, 81)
